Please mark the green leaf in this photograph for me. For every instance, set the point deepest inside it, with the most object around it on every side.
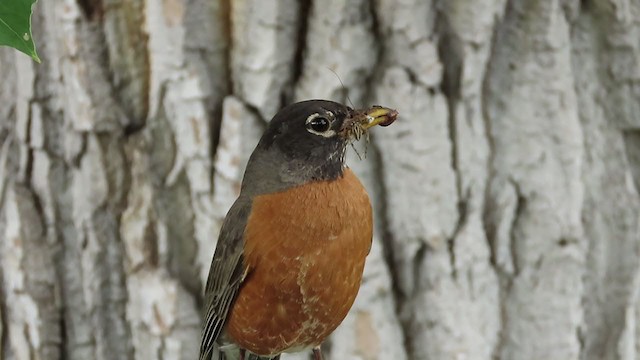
(15, 26)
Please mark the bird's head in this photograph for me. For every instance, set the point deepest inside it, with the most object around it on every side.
(307, 141)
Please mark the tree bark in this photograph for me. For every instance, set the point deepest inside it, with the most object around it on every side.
(506, 195)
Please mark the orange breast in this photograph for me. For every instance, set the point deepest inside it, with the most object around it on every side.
(305, 249)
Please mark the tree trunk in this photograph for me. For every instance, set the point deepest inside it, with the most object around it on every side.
(506, 195)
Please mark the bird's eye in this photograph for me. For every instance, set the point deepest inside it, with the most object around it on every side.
(319, 124)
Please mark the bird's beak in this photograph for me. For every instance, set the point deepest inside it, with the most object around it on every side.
(359, 121)
(377, 115)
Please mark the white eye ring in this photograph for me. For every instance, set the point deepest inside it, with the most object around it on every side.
(327, 134)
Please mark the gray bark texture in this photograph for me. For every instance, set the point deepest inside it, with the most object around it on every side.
(506, 195)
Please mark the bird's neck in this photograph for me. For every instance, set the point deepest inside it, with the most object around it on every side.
(268, 172)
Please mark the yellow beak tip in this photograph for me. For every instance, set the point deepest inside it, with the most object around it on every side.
(379, 115)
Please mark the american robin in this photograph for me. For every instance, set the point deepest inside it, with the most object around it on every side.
(291, 251)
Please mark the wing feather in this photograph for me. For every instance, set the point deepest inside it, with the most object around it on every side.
(225, 275)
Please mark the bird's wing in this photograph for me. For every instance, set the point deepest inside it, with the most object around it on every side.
(225, 275)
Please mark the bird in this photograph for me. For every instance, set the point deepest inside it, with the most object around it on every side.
(290, 254)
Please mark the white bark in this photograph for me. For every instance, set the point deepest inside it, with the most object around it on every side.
(506, 195)
(265, 34)
(537, 156)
